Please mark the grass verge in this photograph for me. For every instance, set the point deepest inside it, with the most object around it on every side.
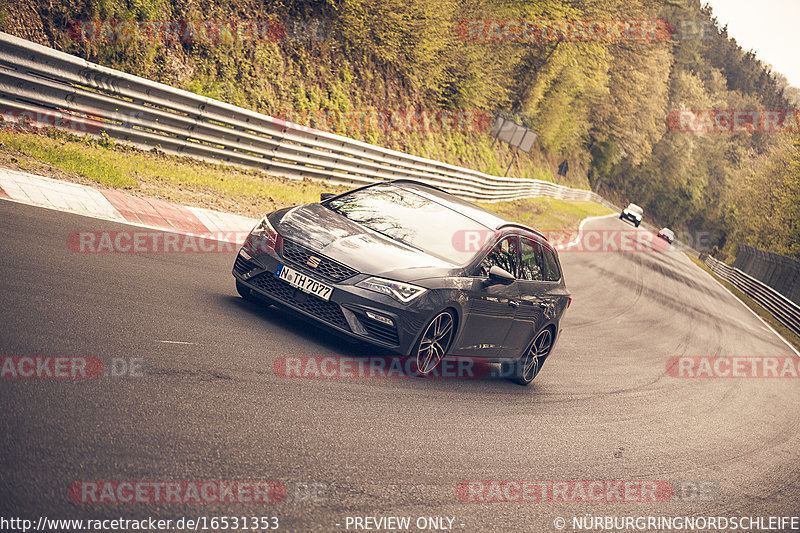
(155, 175)
(768, 317)
(548, 214)
(105, 164)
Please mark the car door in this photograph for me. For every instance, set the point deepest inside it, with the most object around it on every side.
(490, 308)
(536, 304)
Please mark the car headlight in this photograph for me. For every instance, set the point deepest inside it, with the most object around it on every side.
(265, 226)
(402, 292)
(263, 238)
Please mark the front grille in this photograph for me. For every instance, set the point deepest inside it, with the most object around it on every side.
(379, 330)
(328, 312)
(328, 268)
(242, 266)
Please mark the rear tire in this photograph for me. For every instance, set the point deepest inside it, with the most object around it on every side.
(527, 367)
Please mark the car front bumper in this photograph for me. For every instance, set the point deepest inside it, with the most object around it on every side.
(346, 312)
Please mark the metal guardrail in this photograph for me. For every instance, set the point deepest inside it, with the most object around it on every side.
(35, 79)
(38, 81)
(784, 309)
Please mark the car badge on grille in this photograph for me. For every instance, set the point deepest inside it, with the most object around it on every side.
(313, 261)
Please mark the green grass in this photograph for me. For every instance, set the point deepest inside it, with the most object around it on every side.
(190, 182)
(548, 214)
(768, 317)
(179, 179)
(70, 157)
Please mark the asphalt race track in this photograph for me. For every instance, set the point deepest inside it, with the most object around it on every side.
(210, 407)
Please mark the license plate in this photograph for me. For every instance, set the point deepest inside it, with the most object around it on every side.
(303, 282)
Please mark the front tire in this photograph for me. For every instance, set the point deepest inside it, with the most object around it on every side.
(436, 338)
(529, 365)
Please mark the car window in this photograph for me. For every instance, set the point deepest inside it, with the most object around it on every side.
(538, 262)
(551, 271)
(504, 255)
(532, 261)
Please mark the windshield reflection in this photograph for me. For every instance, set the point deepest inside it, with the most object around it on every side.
(409, 218)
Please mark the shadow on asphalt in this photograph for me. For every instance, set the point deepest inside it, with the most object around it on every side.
(381, 363)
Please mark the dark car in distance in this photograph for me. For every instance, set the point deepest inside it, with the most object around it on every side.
(408, 267)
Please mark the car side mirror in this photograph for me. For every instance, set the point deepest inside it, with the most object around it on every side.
(326, 196)
(499, 275)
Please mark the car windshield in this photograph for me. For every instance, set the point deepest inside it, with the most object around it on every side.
(414, 220)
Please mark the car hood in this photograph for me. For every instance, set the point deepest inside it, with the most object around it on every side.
(322, 230)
